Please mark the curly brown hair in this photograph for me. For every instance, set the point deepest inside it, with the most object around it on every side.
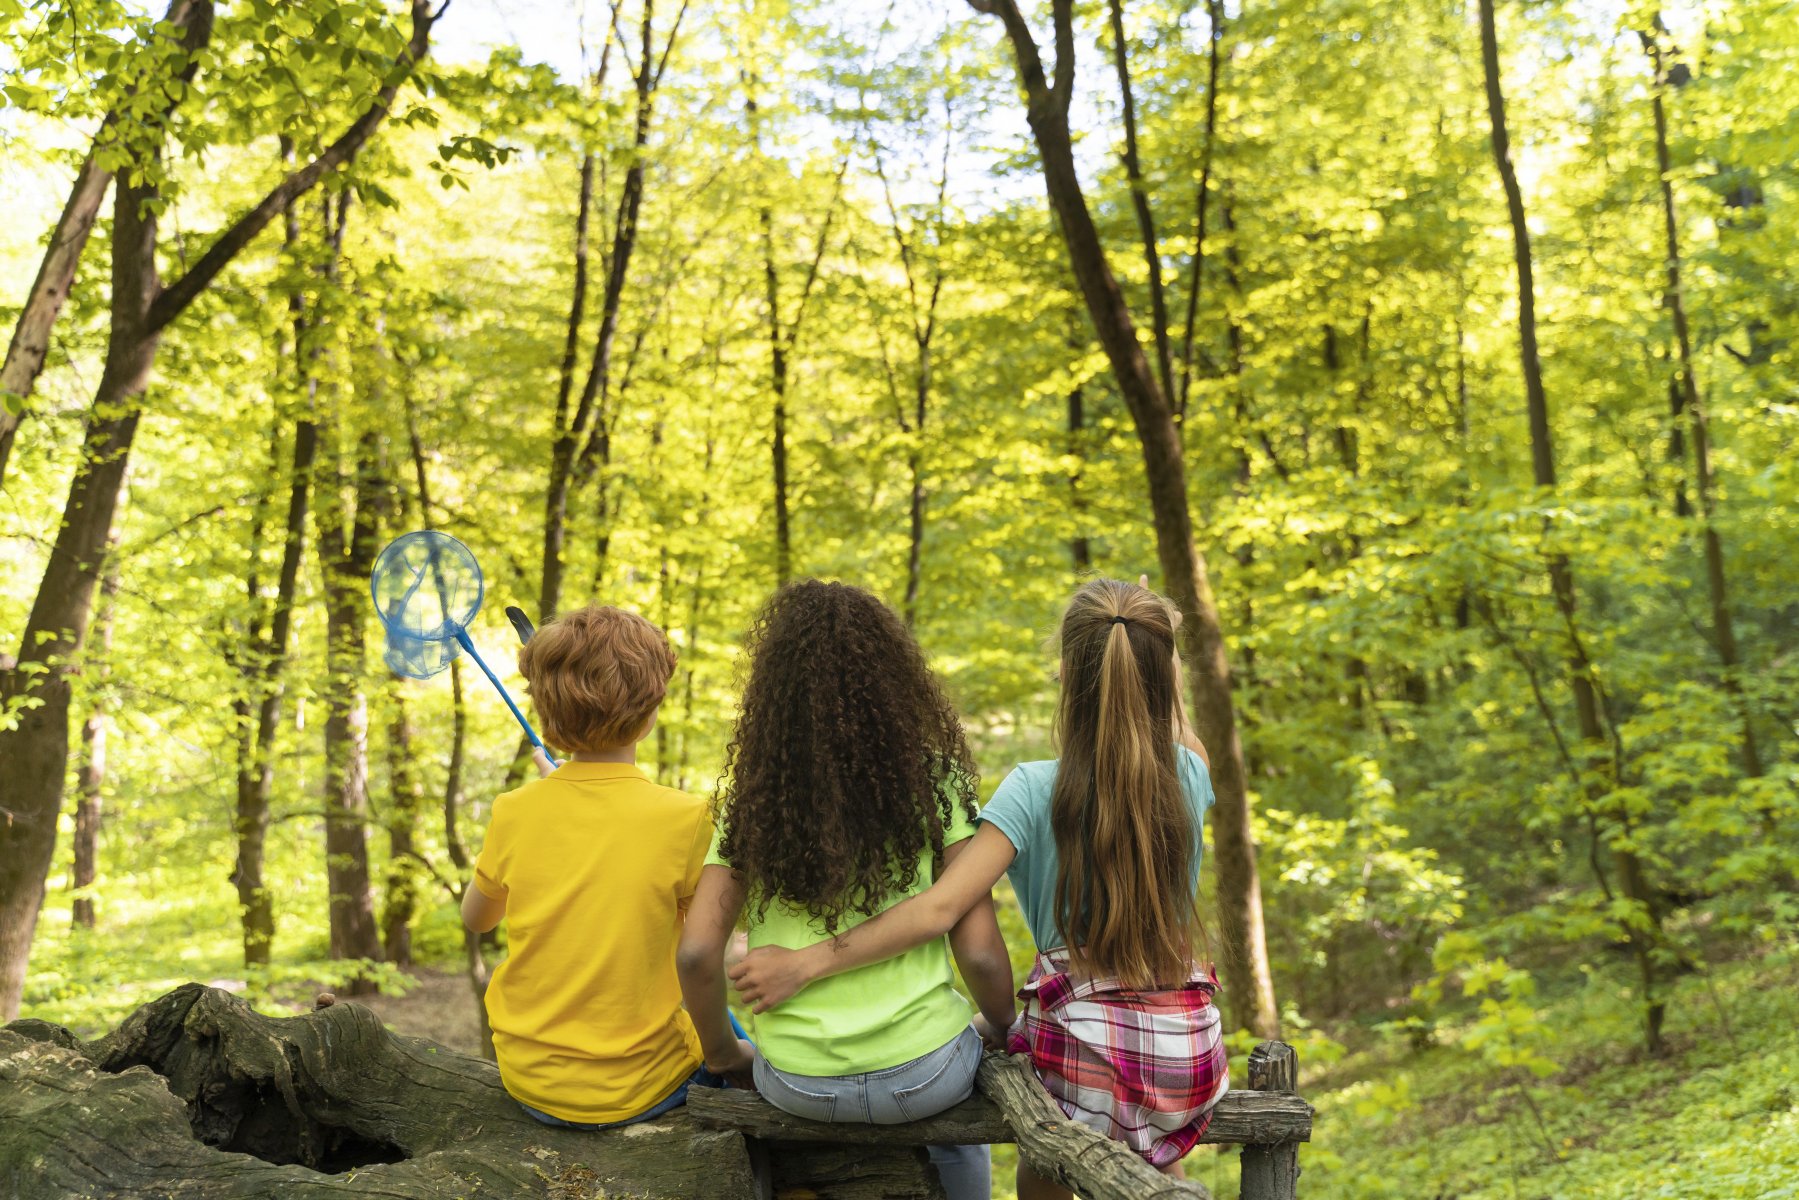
(847, 763)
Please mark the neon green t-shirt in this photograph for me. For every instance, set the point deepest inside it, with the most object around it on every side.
(868, 1019)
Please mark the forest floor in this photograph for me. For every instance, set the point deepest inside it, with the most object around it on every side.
(439, 1005)
(1715, 1118)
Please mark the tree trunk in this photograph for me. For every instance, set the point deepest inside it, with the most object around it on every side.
(36, 749)
(349, 555)
(1214, 40)
(405, 799)
(1183, 567)
(56, 274)
(562, 449)
(1146, 220)
(56, 271)
(1561, 574)
(1080, 547)
(1686, 387)
(92, 774)
(777, 378)
(256, 769)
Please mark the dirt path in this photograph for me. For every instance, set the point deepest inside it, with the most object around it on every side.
(439, 1005)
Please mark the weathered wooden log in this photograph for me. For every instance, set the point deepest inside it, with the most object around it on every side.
(1271, 1170)
(1086, 1162)
(1241, 1118)
(196, 1095)
(200, 1097)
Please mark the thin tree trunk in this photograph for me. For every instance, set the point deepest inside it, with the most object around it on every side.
(1146, 220)
(92, 774)
(1686, 387)
(354, 931)
(405, 799)
(1202, 638)
(452, 794)
(1215, 38)
(256, 770)
(30, 342)
(36, 749)
(1080, 548)
(777, 378)
(562, 450)
(43, 304)
(1561, 574)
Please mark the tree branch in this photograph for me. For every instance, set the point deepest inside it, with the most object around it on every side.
(173, 300)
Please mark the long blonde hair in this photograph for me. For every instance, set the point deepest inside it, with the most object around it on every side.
(1125, 837)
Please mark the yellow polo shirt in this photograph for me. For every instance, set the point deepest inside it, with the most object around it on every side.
(596, 865)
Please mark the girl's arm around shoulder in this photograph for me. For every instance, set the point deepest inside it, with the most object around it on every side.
(700, 963)
(768, 975)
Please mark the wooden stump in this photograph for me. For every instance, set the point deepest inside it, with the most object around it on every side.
(1271, 1170)
(198, 1096)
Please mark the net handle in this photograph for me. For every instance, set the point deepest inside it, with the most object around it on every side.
(463, 639)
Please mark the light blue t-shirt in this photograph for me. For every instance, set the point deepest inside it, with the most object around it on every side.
(1020, 810)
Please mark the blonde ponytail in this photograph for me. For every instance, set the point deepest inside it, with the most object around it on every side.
(1124, 834)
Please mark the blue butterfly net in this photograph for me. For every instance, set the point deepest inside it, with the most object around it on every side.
(427, 589)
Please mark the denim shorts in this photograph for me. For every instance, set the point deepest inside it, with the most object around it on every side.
(700, 1078)
(911, 1091)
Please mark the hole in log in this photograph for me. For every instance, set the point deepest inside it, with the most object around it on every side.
(252, 1094)
(252, 1118)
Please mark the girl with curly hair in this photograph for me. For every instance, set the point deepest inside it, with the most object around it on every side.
(849, 788)
(1103, 849)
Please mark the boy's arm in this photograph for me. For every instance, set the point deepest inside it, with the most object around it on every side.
(768, 975)
(700, 962)
(481, 912)
(484, 896)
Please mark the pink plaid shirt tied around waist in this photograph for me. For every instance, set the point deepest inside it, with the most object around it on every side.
(1143, 1068)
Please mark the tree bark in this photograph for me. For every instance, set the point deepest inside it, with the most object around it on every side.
(36, 748)
(91, 778)
(1183, 567)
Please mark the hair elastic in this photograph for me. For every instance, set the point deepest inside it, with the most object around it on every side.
(1121, 620)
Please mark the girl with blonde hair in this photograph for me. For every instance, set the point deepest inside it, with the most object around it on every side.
(1103, 849)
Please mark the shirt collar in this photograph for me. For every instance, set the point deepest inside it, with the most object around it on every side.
(580, 772)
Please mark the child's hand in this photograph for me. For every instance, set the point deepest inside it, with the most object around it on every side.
(545, 764)
(995, 1039)
(735, 1065)
(769, 975)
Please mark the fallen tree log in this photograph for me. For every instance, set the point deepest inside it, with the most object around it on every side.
(197, 1095)
(1241, 1119)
